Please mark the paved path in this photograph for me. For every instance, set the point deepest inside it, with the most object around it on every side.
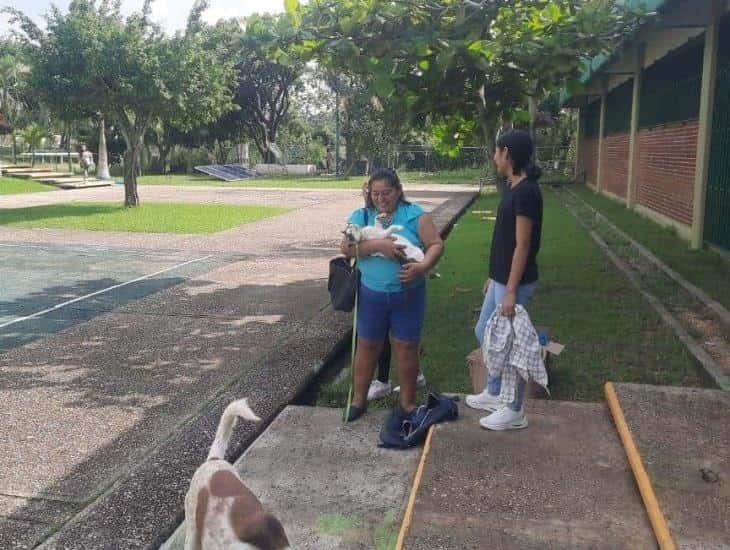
(562, 483)
(333, 491)
(104, 422)
(315, 222)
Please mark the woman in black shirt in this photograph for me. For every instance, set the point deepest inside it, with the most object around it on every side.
(512, 265)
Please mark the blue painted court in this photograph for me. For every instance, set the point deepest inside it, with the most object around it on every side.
(46, 288)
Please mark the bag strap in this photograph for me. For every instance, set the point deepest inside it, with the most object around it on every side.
(353, 345)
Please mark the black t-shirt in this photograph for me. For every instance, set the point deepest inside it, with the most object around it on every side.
(524, 199)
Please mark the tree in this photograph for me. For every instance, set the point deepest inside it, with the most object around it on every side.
(266, 76)
(33, 136)
(94, 59)
(456, 61)
(13, 93)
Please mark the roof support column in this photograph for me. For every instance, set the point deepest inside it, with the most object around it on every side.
(633, 176)
(704, 133)
(601, 129)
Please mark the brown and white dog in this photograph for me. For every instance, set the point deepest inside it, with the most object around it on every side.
(221, 513)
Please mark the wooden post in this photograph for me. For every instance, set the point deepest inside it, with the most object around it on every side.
(704, 133)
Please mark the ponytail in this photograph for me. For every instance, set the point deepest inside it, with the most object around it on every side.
(533, 171)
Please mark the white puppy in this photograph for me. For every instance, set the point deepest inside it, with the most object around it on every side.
(221, 513)
(357, 234)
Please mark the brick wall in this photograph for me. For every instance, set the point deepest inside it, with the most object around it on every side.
(667, 157)
(588, 159)
(615, 164)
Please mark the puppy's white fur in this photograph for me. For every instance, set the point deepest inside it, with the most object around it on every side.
(357, 234)
(220, 511)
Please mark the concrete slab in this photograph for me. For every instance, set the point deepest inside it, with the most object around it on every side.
(49, 174)
(345, 491)
(88, 184)
(563, 483)
(67, 178)
(683, 438)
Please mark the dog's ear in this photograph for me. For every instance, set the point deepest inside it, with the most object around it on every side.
(262, 530)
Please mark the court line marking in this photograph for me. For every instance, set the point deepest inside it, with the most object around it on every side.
(102, 291)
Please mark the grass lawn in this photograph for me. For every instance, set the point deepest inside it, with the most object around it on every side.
(311, 182)
(15, 186)
(147, 218)
(704, 268)
(609, 332)
(290, 182)
(464, 175)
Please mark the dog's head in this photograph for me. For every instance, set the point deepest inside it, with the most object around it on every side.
(353, 233)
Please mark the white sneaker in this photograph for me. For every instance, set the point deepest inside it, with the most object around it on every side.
(420, 382)
(484, 401)
(504, 419)
(379, 389)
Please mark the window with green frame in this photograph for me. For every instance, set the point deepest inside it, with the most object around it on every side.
(670, 88)
(618, 109)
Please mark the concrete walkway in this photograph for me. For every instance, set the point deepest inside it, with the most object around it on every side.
(328, 483)
(104, 422)
(683, 437)
(562, 483)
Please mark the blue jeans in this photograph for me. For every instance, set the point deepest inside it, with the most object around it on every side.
(492, 299)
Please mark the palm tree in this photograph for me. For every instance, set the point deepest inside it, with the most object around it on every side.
(12, 97)
(33, 135)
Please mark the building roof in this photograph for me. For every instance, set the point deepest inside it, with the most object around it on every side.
(594, 65)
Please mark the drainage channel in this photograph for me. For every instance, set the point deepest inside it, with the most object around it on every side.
(698, 326)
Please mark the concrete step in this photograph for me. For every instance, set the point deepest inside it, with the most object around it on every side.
(563, 482)
(74, 184)
(49, 174)
(683, 438)
(328, 483)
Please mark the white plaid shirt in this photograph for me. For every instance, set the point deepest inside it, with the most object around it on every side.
(511, 349)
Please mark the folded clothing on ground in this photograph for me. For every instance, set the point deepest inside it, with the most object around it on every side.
(403, 430)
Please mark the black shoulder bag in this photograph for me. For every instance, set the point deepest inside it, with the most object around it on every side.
(344, 279)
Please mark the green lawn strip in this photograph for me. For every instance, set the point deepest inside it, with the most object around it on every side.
(285, 182)
(468, 176)
(704, 268)
(609, 331)
(461, 176)
(16, 186)
(147, 218)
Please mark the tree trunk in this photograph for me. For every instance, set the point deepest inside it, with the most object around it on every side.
(32, 156)
(68, 148)
(131, 160)
(102, 166)
(532, 107)
(15, 148)
(164, 152)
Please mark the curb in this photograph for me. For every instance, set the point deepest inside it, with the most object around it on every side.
(717, 308)
(708, 364)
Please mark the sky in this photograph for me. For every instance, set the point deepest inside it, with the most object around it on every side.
(171, 14)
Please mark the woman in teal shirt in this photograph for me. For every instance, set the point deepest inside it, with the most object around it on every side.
(392, 298)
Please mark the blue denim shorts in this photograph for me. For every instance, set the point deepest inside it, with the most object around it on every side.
(400, 313)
